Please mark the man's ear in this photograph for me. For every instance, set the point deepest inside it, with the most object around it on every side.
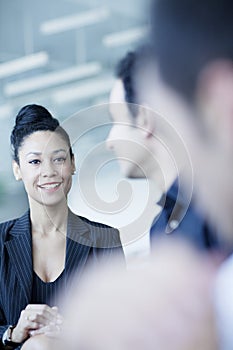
(145, 120)
(16, 170)
(215, 99)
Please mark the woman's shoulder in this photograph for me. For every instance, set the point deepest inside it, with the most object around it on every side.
(97, 223)
(7, 226)
(90, 222)
(99, 231)
(4, 226)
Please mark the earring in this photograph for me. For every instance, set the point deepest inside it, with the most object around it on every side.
(74, 172)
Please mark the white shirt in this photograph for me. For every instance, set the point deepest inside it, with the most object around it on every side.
(224, 304)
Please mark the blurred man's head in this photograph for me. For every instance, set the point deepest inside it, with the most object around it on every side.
(135, 136)
(193, 49)
(124, 136)
(188, 35)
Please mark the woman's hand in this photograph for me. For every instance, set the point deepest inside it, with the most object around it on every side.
(32, 318)
(52, 330)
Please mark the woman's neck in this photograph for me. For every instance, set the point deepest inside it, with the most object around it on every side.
(49, 219)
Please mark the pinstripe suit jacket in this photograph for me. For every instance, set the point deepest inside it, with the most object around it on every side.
(87, 242)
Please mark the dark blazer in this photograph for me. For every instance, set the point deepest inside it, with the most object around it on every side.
(188, 224)
(87, 242)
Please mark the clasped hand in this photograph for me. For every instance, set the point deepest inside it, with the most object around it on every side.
(37, 319)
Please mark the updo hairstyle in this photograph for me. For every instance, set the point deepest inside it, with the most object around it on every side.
(32, 118)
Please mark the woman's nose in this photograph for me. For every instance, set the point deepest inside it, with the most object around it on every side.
(48, 169)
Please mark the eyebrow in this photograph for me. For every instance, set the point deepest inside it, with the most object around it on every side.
(54, 152)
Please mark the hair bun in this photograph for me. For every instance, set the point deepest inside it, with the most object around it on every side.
(31, 118)
(33, 114)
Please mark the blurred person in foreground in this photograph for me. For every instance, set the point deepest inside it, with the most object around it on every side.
(193, 49)
(166, 305)
(137, 138)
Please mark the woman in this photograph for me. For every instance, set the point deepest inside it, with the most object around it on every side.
(40, 250)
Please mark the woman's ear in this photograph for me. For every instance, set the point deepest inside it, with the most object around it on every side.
(73, 165)
(16, 170)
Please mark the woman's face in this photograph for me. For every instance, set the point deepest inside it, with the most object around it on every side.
(45, 168)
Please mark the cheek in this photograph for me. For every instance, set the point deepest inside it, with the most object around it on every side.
(66, 176)
(123, 131)
(29, 182)
(29, 177)
(66, 171)
(117, 132)
(119, 139)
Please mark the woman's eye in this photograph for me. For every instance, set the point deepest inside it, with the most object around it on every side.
(34, 161)
(59, 160)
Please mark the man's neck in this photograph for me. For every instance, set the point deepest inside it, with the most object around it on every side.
(165, 184)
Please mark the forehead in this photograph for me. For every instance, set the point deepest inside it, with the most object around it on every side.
(43, 142)
(117, 94)
(118, 107)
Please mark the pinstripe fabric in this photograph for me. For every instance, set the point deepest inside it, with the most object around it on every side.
(87, 242)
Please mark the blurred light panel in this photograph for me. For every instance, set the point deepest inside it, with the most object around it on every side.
(125, 37)
(89, 89)
(75, 21)
(5, 111)
(52, 79)
(23, 64)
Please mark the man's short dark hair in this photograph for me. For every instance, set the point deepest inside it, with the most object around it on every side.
(188, 34)
(125, 71)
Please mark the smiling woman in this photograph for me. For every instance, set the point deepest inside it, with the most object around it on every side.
(41, 250)
(45, 165)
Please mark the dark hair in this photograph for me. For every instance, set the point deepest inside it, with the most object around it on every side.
(125, 71)
(32, 118)
(187, 34)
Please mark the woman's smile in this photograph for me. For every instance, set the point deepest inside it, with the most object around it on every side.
(50, 187)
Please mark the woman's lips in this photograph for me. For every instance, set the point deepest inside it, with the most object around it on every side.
(50, 186)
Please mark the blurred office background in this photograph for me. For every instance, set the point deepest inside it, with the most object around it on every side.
(62, 54)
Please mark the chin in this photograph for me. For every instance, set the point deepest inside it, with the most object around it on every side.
(136, 176)
(134, 173)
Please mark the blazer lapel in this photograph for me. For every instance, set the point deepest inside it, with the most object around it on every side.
(78, 244)
(19, 248)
